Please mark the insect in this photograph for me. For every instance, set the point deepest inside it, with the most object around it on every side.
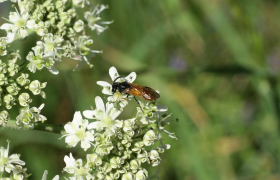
(143, 92)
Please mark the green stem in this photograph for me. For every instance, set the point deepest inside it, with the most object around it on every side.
(38, 126)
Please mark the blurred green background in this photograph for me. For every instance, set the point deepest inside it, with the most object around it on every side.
(216, 65)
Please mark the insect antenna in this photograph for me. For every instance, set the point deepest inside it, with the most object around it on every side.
(118, 78)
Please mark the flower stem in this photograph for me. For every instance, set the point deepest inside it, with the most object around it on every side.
(38, 126)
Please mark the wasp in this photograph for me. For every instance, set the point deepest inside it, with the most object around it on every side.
(143, 92)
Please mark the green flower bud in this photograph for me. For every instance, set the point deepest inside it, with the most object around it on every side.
(149, 138)
(3, 80)
(52, 17)
(36, 88)
(72, 13)
(137, 146)
(9, 101)
(128, 126)
(23, 79)
(3, 67)
(4, 118)
(14, 56)
(116, 162)
(60, 5)
(154, 157)
(141, 174)
(3, 47)
(128, 176)
(79, 3)
(112, 176)
(93, 160)
(134, 165)
(13, 69)
(49, 5)
(30, 116)
(26, 5)
(13, 89)
(144, 157)
(105, 168)
(24, 99)
(79, 26)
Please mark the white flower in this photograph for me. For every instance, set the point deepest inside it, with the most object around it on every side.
(52, 42)
(107, 87)
(18, 25)
(76, 168)
(39, 60)
(84, 51)
(93, 17)
(154, 157)
(7, 162)
(80, 3)
(45, 176)
(77, 132)
(106, 117)
(30, 116)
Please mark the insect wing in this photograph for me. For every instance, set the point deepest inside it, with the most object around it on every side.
(150, 94)
(143, 92)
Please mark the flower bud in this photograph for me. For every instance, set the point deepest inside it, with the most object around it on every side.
(3, 66)
(24, 99)
(3, 80)
(149, 138)
(13, 89)
(154, 157)
(93, 160)
(36, 88)
(9, 101)
(13, 69)
(116, 162)
(23, 79)
(141, 174)
(128, 176)
(4, 118)
(79, 26)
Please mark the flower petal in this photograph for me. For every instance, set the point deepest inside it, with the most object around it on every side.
(89, 114)
(10, 37)
(99, 104)
(118, 123)
(72, 140)
(22, 32)
(77, 118)
(14, 16)
(95, 125)
(131, 77)
(85, 145)
(103, 83)
(113, 73)
(90, 135)
(6, 26)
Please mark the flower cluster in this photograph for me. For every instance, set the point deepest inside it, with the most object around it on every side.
(62, 35)
(11, 167)
(119, 148)
(15, 89)
(62, 31)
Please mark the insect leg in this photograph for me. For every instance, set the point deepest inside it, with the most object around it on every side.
(138, 103)
(118, 97)
(127, 97)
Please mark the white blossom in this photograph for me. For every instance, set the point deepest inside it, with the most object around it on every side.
(18, 25)
(76, 132)
(76, 168)
(7, 163)
(106, 117)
